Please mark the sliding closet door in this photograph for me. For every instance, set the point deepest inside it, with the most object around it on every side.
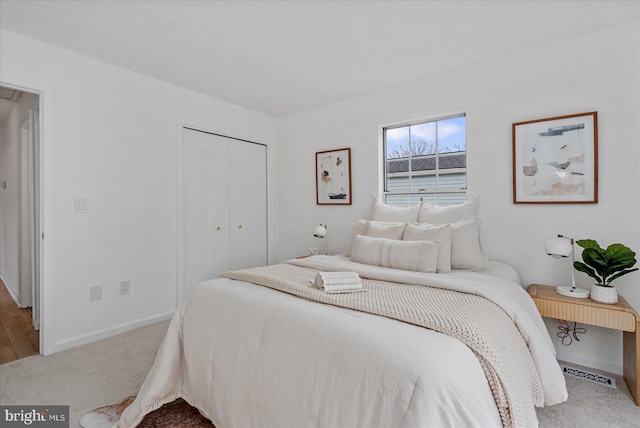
(206, 206)
(248, 205)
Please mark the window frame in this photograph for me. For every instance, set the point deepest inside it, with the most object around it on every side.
(384, 192)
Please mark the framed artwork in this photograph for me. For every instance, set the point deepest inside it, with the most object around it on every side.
(555, 160)
(333, 177)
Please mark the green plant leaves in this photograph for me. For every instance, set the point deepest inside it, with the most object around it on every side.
(619, 274)
(605, 265)
(579, 266)
(588, 243)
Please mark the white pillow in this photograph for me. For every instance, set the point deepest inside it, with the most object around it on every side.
(385, 229)
(466, 251)
(450, 214)
(433, 232)
(383, 212)
(417, 256)
(360, 228)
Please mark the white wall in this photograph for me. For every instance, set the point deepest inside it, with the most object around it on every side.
(10, 196)
(111, 135)
(599, 72)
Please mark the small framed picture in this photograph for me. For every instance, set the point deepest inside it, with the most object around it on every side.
(333, 177)
(555, 160)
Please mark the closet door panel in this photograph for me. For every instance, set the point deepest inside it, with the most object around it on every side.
(206, 206)
(248, 205)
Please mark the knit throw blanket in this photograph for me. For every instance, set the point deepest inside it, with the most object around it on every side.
(475, 321)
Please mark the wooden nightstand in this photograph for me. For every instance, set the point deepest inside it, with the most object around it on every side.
(620, 316)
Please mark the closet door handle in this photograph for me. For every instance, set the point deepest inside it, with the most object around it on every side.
(218, 228)
(239, 226)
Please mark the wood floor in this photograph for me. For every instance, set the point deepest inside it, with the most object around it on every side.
(18, 339)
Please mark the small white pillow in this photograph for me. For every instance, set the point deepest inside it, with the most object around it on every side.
(417, 256)
(385, 229)
(383, 212)
(433, 232)
(360, 228)
(449, 214)
(466, 251)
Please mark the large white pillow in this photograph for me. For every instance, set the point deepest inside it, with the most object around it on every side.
(466, 251)
(449, 214)
(383, 212)
(360, 228)
(440, 233)
(385, 229)
(417, 256)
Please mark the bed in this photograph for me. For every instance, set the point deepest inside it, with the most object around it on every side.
(263, 347)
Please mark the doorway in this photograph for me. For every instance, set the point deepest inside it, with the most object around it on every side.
(20, 223)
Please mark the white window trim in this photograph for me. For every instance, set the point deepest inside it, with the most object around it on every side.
(382, 153)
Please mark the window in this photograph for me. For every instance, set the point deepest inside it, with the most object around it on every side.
(426, 160)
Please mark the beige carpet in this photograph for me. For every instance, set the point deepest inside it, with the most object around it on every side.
(108, 371)
(592, 405)
(85, 377)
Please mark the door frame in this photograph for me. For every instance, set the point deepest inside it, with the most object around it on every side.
(28, 205)
(45, 205)
(227, 133)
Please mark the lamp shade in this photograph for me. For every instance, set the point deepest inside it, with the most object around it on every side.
(559, 247)
(320, 231)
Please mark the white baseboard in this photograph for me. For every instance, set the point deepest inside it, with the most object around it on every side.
(586, 361)
(108, 332)
(12, 292)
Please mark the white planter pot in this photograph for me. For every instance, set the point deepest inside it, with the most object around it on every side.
(604, 294)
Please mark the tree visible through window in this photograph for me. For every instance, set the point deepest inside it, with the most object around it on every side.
(426, 160)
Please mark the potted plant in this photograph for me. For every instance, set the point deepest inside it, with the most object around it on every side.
(605, 265)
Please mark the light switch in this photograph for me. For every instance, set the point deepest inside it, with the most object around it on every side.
(80, 206)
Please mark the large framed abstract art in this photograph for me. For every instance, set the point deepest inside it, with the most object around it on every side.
(333, 177)
(555, 160)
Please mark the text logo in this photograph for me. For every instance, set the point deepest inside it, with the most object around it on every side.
(35, 416)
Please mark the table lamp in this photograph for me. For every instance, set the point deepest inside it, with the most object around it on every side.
(320, 231)
(562, 247)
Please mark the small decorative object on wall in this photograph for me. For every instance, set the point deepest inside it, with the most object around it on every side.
(604, 265)
(333, 177)
(555, 160)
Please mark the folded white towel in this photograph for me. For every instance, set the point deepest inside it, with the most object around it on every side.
(323, 278)
(344, 286)
(338, 281)
(334, 281)
(339, 274)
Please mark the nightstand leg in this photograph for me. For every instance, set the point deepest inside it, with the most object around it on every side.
(631, 364)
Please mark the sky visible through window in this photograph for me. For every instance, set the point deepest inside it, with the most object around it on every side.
(451, 137)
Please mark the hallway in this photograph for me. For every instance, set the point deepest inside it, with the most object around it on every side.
(18, 339)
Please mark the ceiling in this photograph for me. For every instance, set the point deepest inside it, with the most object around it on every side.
(281, 57)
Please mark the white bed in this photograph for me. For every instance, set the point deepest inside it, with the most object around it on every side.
(250, 356)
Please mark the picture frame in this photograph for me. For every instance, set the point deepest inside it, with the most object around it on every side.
(555, 160)
(333, 177)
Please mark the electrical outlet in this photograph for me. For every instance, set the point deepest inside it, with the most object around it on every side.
(125, 287)
(95, 293)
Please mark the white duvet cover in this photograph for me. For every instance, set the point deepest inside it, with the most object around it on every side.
(250, 356)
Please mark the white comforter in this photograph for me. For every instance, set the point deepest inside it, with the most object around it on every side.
(249, 356)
